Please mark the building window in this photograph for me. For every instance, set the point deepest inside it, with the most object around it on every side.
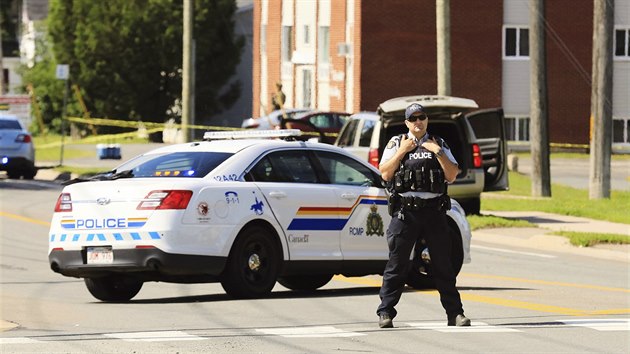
(306, 87)
(307, 35)
(621, 130)
(287, 41)
(263, 39)
(323, 45)
(622, 42)
(516, 42)
(517, 128)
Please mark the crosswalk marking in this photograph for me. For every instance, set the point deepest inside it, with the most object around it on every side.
(477, 327)
(309, 332)
(158, 336)
(622, 324)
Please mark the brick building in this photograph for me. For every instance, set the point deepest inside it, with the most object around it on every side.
(351, 55)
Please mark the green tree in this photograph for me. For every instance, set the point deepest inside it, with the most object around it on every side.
(126, 56)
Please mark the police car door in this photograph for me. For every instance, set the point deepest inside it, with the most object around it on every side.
(305, 209)
(488, 125)
(362, 206)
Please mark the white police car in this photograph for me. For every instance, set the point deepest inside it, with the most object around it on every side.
(246, 213)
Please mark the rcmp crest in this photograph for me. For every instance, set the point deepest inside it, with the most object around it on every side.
(374, 222)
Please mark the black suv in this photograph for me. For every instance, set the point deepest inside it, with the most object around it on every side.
(476, 138)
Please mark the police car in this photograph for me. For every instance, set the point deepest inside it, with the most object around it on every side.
(236, 209)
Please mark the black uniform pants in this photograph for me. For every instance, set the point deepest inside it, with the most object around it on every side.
(402, 235)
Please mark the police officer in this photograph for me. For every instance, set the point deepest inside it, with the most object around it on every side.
(417, 167)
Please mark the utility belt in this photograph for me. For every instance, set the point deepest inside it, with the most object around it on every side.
(422, 180)
(396, 202)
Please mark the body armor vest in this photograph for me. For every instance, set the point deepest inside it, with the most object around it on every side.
(420, 171)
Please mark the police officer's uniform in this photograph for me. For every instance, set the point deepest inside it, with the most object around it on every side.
(418, 207)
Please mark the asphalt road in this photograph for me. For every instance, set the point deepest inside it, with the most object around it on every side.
(574, 172)
(520, 300)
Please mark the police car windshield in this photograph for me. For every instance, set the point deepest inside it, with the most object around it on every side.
(174, 164)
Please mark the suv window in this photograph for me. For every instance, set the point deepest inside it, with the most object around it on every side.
(366, 133)
(347, 136)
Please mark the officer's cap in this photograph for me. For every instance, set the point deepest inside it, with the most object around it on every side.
(413, 108)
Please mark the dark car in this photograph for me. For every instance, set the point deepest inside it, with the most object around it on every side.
(476, 138)
(318, 124)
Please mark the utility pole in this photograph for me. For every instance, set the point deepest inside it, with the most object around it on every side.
(2, 88)
(443, 31)
(601, 100)
(186, 69)
(539, 123)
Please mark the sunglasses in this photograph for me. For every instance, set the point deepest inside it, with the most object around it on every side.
(415, 118)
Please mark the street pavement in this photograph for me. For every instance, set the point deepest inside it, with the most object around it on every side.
(570, 172)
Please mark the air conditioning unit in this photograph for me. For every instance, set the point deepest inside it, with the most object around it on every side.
(344, 49)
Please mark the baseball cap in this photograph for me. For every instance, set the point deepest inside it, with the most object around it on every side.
(413, 108)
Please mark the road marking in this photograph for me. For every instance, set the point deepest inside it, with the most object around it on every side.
(18, 340)
(507, 302)
(477, 327)
(309, 332)
(545, 282)
(608, 324)
(541, 255)
(157, 336)
(24, 218)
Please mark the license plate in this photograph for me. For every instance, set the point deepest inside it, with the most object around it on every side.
(100, 255)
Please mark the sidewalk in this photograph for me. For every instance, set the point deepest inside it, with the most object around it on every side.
(540, 238)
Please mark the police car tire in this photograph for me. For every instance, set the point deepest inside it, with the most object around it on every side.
(418, 280)
(310, 282)
(113, 288)
(239, 280)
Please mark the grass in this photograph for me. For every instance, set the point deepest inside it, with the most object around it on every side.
(490, 221)
(584, 239)
(564, 200)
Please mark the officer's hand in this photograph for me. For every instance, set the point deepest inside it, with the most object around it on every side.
(431, 145)
(407, 144)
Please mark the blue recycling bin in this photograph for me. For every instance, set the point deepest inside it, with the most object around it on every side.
(108, 151)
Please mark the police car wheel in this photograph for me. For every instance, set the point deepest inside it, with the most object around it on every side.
(253, 264)
(113, 288)
(420, 277)
(305, 282)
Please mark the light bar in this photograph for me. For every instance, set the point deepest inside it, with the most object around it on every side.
(251, 134)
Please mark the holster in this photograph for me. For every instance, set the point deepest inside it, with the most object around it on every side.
(394, 203)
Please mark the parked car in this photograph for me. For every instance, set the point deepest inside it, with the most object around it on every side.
(272, 120)
(476, 138)
(245, 213)
(324, 126)
(17, 152)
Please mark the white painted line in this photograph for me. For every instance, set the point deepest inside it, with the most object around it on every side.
(541, 255)
(477, 327)
(158, 336)
(18, 340)
(610, 324)
(309, 332)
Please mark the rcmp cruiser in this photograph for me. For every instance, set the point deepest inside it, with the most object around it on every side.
(236, 209)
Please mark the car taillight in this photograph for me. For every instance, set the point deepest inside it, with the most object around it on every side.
(477, 158)
(175, 199)
(373, 157)
(64, 203)
(23, 138)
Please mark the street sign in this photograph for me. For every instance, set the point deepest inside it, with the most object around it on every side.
(63, 71)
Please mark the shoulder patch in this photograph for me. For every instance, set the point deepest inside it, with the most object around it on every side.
(391, 144)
